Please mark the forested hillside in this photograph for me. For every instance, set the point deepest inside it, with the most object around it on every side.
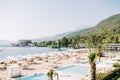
(107, 31)
(104, 25)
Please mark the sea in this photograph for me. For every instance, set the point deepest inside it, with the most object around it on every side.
(25, 51)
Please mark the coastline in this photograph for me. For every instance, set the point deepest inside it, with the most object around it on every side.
(42, 63)
(45, 62)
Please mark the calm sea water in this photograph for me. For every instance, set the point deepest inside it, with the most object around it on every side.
(23, 51)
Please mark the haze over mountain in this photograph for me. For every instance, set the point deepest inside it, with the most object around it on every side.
(104, 25)
(56, 37)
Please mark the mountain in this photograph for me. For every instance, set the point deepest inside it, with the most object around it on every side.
(105, 25)
(110, 22)
(5, 43)
(79, 32)
(58, 36)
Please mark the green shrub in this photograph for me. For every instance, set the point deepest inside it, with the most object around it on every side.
(101, 76)
(114, 75)
(116, 65)
(118, 60)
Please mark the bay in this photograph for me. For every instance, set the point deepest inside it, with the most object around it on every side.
(24, 51)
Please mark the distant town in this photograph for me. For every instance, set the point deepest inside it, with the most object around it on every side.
(23, 43)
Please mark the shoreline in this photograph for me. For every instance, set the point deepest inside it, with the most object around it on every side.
(27, 54)
(42, 64)
(61, 59)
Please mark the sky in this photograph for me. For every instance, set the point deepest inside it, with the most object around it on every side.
(29, 19)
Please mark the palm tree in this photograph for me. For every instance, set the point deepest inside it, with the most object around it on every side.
(51, 74)
(92, 57)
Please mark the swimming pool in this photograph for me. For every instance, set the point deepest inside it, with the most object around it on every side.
(71, 69)
(39, 76)
(97, 62)
(75, 69)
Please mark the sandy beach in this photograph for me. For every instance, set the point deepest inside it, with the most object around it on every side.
(39, 64)
(43, 64)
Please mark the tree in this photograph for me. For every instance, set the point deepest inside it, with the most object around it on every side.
(90, 43)
(91, 58)
(59, 44)
(64, 42)
(99, 49)
(73, 42)
(51, 74)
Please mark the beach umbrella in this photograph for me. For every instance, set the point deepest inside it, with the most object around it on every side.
(19, 57)
(7, 59)
(29, 55)
(43, 55)
(116, 59)
(104, 66)
(51, 54)
(37, 55)
(58, 52)
(110, 62)
(101, 65)
(67, 53)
